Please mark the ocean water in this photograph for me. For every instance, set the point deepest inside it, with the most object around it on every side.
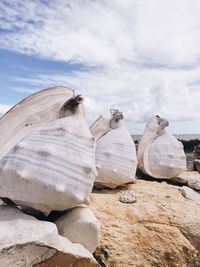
(185, 137)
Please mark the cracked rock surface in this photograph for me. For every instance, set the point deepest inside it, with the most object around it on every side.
(161, 229)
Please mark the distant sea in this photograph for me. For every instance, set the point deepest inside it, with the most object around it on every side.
(185, 137)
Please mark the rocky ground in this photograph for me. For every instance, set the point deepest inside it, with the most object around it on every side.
(160, 229)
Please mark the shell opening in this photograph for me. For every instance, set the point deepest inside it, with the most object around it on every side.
(70, 106)
(79, 99)
(117, 116)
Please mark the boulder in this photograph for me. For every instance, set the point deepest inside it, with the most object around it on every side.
(80, 225)
(196, 151)
(26, 241)
(197, 164)
(196, 157)
(190, 161)
(190, 194)
(191, 179)
(161, 228)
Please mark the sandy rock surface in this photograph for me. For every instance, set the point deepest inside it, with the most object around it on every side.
(60, 259)
(161, 228)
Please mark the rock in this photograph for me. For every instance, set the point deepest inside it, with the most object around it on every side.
(197, 164)
(60, 259)
(190, 194)
(26, 242)
(196, 152)
(80, 225)
(192, 179)
(161, 229)
(128, 197)
(189, 161)
(196, 156)
(183, 177)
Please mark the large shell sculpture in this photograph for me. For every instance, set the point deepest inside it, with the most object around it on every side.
(160, 154)
(116, 158)
(50, 164)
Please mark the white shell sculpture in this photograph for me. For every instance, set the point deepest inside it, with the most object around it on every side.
(100, 127)
(39, 108)
(160, 154)
(116, 159)
(53, 166)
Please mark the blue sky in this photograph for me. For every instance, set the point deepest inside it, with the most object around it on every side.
(17, 70)
(138, 55)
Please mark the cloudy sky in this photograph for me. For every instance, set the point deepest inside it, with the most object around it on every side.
(142, 56)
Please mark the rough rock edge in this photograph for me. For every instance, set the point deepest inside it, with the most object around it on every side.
(60, 259)
(56, 258)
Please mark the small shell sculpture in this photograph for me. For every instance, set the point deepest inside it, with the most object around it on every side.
(160, 154)
(116, 159)
(53, 166)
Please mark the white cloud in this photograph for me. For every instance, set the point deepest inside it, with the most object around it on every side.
(139, 93)
(168, 32)
(104, 32)
(4, 108)
(145, 53)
